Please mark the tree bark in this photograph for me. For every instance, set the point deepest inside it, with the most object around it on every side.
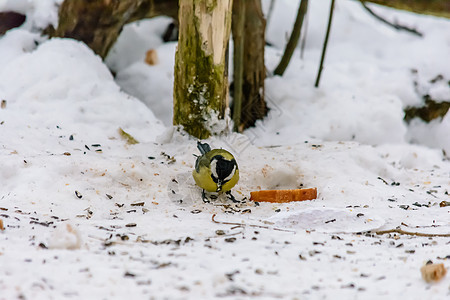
(237, 26)
(98, 23)
(201, 85)
(253, 104)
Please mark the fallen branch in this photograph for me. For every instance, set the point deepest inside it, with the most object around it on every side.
(401, 231)
(439, 8)
(396, 26)
(249, 225)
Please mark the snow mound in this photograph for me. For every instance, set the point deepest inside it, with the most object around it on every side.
(329, 220)
(65, 236)
(74, 90)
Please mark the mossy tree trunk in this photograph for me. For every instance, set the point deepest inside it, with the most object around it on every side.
(201, 84)
(98, 23)
(249, 69)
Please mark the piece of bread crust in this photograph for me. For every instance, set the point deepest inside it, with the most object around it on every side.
(283, 196)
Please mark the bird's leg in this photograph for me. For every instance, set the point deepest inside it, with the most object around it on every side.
(232, 197)
(204, 198)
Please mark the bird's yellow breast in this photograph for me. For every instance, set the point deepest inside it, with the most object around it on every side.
(203, 179)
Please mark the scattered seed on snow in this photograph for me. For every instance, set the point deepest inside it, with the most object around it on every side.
(384, 181)
(444, 204)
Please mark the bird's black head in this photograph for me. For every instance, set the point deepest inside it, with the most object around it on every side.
(222, 170)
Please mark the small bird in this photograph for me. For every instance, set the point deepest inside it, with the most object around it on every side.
(215, 170)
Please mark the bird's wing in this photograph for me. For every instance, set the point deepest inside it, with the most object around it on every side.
(201, 161)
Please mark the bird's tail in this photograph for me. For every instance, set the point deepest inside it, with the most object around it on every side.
(203, 147)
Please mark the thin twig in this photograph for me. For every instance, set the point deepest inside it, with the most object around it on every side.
(303, 41)
(293, 39)
(324, 49)
(400, 231)
(224, 223)
(250, 225)
(269, 12)
(228, 235)
(396, 26)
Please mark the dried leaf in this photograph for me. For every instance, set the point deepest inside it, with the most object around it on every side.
(127, 137)
(151, 57)
(433, 272)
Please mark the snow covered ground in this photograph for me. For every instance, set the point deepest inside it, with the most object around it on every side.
(89, 216)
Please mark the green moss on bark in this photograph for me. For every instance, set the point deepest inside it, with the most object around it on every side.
(201, 87)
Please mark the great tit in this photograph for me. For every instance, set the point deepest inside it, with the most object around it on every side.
(215, 170)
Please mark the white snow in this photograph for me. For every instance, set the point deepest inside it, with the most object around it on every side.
(88, 216)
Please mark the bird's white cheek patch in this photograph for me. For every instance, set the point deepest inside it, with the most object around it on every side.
(213, 168)
(231, 175)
